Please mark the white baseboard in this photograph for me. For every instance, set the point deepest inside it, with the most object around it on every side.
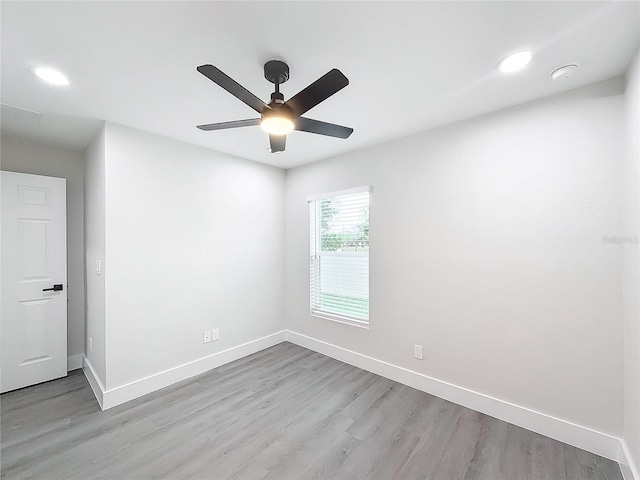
(94, 381)
(579, 436)
(629, 468)
(74, 362)
(562, 430)
(124, 393)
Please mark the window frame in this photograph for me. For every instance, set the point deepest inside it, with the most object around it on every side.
(315, 259)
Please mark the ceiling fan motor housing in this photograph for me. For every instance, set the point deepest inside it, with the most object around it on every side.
(277, 99)
(276, 71)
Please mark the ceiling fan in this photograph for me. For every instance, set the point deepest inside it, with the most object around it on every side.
(278, 117)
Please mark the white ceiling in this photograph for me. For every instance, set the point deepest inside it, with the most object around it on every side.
(411, 65)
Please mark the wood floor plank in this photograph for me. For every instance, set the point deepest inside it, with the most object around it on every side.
(329, 463)
(437, 419)
(283, 413)
(517, 458)
(489, 451)
(547, 458)
(459, 449)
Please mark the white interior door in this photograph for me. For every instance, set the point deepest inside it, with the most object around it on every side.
(33, 333)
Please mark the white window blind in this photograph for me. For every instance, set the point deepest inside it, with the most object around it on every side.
(339, 255)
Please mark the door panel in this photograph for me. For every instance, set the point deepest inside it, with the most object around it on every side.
(34, 321)
(32, 245)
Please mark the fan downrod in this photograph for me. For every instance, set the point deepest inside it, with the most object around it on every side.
(276, 71)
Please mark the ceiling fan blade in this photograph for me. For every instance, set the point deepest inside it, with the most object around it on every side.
(322, 128)
(234, 88)
(277, 143)
(317, 92)
(234, 124)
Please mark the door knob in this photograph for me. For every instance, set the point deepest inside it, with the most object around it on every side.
(55, 288)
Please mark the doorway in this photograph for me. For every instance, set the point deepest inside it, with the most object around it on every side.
(34, 280)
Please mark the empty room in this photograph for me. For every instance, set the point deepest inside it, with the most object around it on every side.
(320, 240)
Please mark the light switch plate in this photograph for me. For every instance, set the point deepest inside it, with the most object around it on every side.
(417, 351)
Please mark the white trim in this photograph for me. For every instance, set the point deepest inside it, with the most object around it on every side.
(74, 362)
(629, 468)
(349, 191)
(565, 431)
(124, 393)
(94, 381)
(339, 253)
(340, 319)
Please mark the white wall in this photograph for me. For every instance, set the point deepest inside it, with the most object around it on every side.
(631, 266)
(487, 248)
(94, 223)
(194, 242)
(26, 156)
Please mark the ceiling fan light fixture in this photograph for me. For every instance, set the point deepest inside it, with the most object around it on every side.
(276, 124)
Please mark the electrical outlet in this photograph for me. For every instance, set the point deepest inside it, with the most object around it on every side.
(216, 334)
(206, 336)
(417, 351)
(90, 344)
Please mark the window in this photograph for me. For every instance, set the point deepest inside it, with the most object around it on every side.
(339, 258)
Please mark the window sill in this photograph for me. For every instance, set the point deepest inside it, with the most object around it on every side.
(343, 320)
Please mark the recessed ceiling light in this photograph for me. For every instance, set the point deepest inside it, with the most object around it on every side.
(564, 72)
(50, 75)
(515, 62)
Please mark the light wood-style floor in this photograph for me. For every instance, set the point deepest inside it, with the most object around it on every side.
(283, 413)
